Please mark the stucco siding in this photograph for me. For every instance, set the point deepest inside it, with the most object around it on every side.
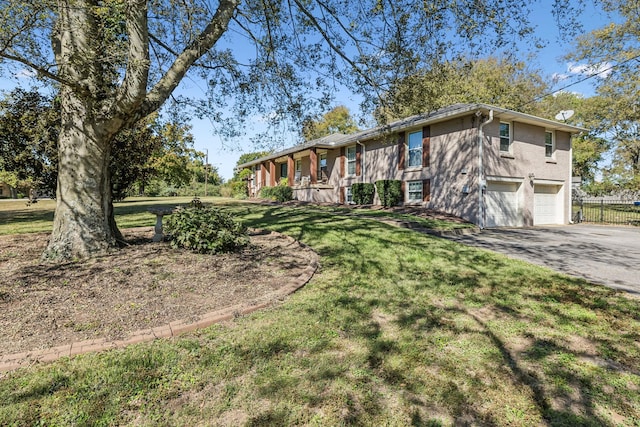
(527, 162)
(454, 169)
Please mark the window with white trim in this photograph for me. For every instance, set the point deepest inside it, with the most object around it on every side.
(505, 137)
(414, 191)
(549, 144)
(322, 164)
(415, 149)
(283, 170)
(348, 197)
(351, 160)
(298, 167)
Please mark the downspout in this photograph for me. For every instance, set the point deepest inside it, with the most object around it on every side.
(481, 182)
(363, 168)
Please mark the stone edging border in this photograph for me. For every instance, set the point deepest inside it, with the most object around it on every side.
(14, 361)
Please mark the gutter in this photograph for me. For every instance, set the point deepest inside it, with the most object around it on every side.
(481, 182)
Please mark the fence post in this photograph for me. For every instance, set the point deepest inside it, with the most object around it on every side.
(602, 210)
(581, 211)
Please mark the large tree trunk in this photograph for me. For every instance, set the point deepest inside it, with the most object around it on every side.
(83, 225)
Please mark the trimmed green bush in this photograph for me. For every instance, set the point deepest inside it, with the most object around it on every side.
(390, 192)
(280, 193)
(362, 193)
(206, 230)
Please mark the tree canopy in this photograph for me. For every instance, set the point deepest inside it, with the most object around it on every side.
(336, 120)
(615, 48)
(497, 81)
(29, 126)
(117, 61)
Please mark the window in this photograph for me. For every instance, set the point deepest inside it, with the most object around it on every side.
(348, 196)
(322, 164)
(414, 191)
(283, 170)
(415, 149)
(549, 144)
(505, 136)
(298, 167)
(351, 160)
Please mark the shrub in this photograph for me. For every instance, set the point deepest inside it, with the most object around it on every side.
(280, 193)
(362, 193)
(206, 230)
(390, 192)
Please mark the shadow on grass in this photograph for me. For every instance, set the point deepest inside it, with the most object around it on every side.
(434, 324)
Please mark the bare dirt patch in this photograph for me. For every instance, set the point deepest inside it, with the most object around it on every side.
(143, 285)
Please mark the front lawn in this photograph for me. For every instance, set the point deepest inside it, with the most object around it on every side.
(396, 328)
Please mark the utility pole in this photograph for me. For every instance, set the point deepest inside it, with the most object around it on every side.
(206, 171)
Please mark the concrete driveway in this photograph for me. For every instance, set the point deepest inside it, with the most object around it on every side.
(601, 254)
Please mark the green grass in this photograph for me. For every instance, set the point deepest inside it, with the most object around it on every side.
(396, 328)
(16, 217)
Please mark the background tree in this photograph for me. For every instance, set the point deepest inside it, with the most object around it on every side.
(620, 119)
(237, 186)
(29, 127)
(613, 53)
(589, 148)
(337, 120)
(117, 61)
(497, 81)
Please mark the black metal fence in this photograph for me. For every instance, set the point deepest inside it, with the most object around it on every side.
(606, 211)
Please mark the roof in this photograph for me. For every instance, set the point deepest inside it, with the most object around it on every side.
(337, 140)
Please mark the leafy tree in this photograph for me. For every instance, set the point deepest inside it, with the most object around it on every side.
(28, 132)
(337, 120)
(590, 147)
(502, 82)
(117, 61)
(621, 122)
(615, 48)
(237, 186)
(132, 149)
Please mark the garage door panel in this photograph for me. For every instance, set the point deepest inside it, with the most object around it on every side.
(502, 205)
(547, 206)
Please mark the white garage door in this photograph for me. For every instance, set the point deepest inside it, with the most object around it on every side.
(547, 206)
(502, 204)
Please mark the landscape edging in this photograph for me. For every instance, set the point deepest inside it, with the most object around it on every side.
(10, 362)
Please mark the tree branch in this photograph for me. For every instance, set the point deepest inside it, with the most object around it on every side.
(332, 45)
(134, 87)
(45, 73)
(205, 41)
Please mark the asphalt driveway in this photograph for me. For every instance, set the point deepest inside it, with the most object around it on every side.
(601, 254)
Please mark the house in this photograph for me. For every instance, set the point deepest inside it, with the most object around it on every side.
(491, 166)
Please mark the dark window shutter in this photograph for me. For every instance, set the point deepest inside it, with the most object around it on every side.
(342, 162)
(358, 159)
(341, 196)
(401, 150)
(426, 145)
(403, 190)
(426, 190)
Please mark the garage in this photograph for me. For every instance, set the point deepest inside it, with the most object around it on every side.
(502, 204)
(547, 205)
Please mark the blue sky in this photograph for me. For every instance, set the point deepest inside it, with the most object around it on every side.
(223, 154)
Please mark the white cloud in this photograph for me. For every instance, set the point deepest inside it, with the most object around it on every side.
(601, 70)
(558, 77)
